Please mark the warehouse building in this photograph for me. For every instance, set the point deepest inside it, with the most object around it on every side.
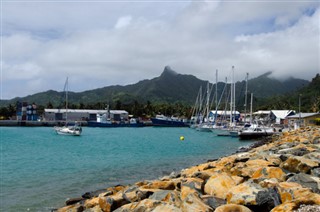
(83, 115)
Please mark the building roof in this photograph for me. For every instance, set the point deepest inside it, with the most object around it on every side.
(84, 111)
(224, 112)
(281, 113)
(303, 115)
(262, 112)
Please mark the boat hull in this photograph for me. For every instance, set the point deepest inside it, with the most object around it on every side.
(68, 131)
(252, 135)
(168, 123)
(101, 124)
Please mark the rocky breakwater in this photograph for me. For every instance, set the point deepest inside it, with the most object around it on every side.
(281, 175)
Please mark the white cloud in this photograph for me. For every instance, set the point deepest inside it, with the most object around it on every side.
(99, 44)
(123, 22)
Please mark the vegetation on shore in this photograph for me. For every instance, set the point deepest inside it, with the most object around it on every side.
(150, 97)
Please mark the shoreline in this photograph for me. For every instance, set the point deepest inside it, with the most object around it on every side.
(280, 174)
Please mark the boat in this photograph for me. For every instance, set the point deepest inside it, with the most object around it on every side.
(105, 120)
(164, 121)
(255, 132)
(108, 123)
(74, 129)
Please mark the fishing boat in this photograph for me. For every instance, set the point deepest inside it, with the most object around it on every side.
(164, 121)
(74, 129)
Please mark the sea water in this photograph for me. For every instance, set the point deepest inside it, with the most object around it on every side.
(40, 169)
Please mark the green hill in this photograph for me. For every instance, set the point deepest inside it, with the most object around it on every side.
(169, 87)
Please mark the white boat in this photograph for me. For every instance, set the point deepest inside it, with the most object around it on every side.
(255, 131)
(68, 130)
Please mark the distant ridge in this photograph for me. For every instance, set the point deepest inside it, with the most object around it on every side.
(169, 87)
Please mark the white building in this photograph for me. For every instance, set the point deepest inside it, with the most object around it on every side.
(83, 114)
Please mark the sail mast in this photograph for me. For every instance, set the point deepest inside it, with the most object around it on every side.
(245, 99)
(66, 92)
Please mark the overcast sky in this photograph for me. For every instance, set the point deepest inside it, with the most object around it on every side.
(102, 43)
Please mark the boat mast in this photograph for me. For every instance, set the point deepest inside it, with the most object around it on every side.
(245, 99)
(232, 97)
(207, 105)
(251, 108)
(216, 95)
(66, 91)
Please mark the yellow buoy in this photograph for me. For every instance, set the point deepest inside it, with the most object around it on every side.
(181, 138)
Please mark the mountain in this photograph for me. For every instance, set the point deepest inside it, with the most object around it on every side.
(305, 99)
(265, 86)
(169, 87)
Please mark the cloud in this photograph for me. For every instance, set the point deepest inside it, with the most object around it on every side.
(123, 22)
(101, 44)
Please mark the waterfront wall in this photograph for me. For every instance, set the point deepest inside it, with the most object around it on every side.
(282, 174)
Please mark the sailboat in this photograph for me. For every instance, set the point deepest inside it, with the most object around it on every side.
(75, 129)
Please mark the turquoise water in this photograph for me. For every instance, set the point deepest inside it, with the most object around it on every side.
(40, 170)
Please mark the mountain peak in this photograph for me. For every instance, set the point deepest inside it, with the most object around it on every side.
(168, 71)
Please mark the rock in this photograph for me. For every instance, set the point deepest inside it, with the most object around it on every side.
(193, 203)
(213, 201)
(269, 172)
(144, 205)
(90, 203)
(250, 167)
(307, 181)
(315, 172)
(113, 202)
(308, 208)
(291, 206)
(157, 184)
(167, 208)
(94, 209)
(251, 195)
(96, 193)
(173, 198)
(71, 208)
(219, 184)
(74, 200)
(159, 195)
(298, 164)
(297, 151)
(232, 208)
(190, 185)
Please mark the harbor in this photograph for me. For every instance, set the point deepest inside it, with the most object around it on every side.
(279, 175)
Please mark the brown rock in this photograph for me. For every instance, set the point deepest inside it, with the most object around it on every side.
(219, 184)
(157, 184)
(90, 203)
(173, 198)
(232, 208)
(144, 205)
(193, 203)
(250, 193)
(269, 172)
(299, 164)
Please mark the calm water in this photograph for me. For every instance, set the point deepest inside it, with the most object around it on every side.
(40, 170)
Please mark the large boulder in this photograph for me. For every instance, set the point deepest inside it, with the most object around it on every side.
(194, 203)
(307, 181)
(219, 184)
(251, 195)
(268, 173)
(298, 164)
(232, 208)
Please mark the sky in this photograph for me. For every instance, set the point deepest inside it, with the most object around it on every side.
(100, 43)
